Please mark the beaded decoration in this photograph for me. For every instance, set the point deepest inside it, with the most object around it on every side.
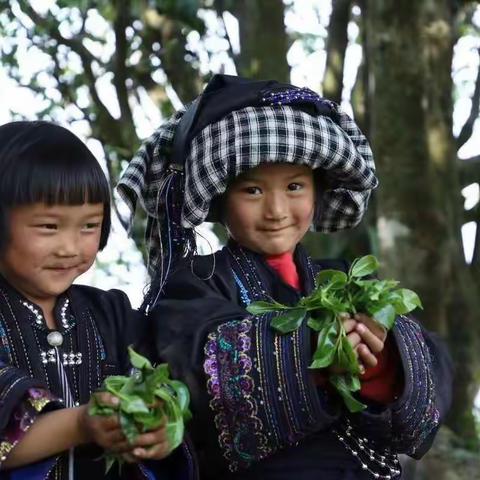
(293, 96)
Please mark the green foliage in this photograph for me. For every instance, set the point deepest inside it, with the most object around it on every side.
(148, 399)
(337, 292)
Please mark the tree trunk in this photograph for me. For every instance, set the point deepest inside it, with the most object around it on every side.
(263, 40)
(419, 206)
(336, 45)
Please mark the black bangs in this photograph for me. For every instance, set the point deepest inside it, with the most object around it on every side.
(43, 162)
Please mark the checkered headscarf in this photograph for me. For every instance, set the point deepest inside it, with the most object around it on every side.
(242, 139)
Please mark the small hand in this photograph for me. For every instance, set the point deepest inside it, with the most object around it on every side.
(151, 445)
(105, 431)
(372, 340)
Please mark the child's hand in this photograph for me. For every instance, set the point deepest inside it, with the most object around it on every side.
(151, 445)
(366, 337)
(105, 431)
(372, 340)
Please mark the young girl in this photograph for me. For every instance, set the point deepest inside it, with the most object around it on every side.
(269, 161)
(59, 341)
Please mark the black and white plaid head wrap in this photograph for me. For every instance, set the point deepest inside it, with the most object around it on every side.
(251, 136)
(243, 139)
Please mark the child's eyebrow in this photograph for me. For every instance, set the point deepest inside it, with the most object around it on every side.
(250, 178)
(297, 175)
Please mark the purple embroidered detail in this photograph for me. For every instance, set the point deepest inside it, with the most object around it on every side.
(228, 366)
(23, 418)
(292, 96)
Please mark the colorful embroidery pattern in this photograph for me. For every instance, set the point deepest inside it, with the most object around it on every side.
(228, 366)
(23, 418)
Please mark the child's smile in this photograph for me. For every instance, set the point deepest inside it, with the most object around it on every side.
(270, 208)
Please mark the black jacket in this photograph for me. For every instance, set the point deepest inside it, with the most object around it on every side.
(256, 410)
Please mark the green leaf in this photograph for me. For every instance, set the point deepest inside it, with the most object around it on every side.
(346, 358)
(259, 308)
(408, 301)
(129, 427)
(133, 404)
(335, 278)
(290, 321)
(363, 266)
(340, 384)
(319, 318)
(138, 361)
(384, 315)
(352, 381)
(148, 398)
(331, 302)
(325, 351)
(181, 393)
(151, 420)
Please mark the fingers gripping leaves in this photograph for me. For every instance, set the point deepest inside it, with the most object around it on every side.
(337, 292)
(148, 399)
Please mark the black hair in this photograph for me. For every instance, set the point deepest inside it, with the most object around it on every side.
(43, 162)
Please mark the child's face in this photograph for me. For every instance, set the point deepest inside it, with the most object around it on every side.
(270, 208)
(49, 247)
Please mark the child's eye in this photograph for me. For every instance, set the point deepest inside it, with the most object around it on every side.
(253, 190)
(47, 226)
(92, 226)
(293, 187)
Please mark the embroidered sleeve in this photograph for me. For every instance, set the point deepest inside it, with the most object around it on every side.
(25, 413)
(408, 424)
(261, 394)
(415, 416)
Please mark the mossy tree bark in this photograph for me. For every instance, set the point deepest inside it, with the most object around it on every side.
(263, 39)
(337, 41)
(410, 48)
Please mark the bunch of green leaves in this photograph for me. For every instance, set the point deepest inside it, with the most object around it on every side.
(148, 398)
(336, 293)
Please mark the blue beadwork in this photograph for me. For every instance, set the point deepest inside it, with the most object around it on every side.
(243, 291)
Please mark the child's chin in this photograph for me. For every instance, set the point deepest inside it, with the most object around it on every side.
(275, 250)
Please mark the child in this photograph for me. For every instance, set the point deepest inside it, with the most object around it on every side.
(268, 161)
(59, 341)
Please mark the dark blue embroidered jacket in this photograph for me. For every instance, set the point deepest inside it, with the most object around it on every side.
(257, 412)
(99, 326)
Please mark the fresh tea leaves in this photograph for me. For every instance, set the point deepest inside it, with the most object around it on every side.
(337, 292)
(148, 398)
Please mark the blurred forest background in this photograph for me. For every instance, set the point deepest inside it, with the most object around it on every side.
(408, 70)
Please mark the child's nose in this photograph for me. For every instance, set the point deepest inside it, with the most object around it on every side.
(275, 206)
(68, 245)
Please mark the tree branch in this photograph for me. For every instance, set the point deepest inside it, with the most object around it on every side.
(472, 215)
(120, 24)
(469, 170)
(77, 46)
(467, 128)
(336, 45)
(221, 9)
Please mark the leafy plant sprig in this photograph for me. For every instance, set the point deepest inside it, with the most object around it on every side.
(337, 292)
(148, 398)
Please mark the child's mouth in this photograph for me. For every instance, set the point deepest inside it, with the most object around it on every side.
(62, 268)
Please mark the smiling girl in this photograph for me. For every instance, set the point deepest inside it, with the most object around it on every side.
(58, 341)
(271, 161)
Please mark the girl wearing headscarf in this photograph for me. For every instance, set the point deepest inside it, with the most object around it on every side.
(271, 161)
